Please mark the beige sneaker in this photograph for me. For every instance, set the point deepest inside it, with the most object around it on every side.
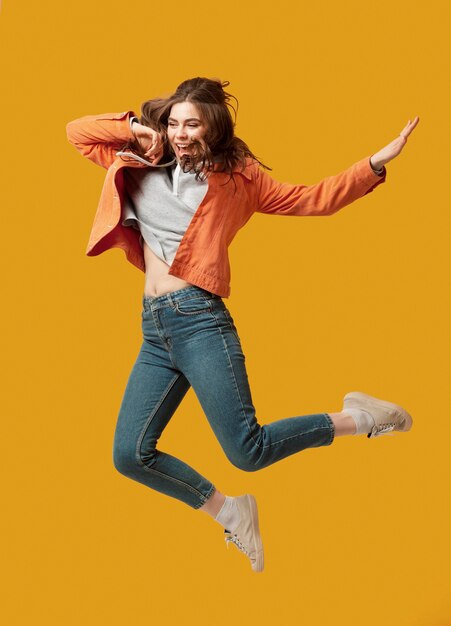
(246, 536)
(387, 416)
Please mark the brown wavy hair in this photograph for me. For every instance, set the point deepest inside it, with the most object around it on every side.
(221, 147)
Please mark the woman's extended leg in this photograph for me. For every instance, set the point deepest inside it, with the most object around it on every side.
(209, 353)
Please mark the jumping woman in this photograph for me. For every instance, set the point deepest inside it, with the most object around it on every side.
(179, 185)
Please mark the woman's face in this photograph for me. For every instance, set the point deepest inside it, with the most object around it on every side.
(184, 126)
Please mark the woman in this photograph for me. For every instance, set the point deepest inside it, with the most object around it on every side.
(179, 185)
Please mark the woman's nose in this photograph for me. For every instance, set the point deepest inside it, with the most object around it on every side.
(181, 133)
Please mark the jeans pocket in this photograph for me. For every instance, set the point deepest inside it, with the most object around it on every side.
(193, 306)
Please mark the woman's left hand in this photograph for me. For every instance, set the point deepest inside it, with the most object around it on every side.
(394, 148)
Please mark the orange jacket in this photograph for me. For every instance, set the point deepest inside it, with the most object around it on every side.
(202, 256)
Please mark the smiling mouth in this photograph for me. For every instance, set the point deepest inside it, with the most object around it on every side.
(187, 152)
(184, 151)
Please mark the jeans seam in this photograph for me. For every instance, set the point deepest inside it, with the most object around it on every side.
(174, 480)
(307, 432)
(280, 441)
(236, 385)
(158, 326)
(141, 437)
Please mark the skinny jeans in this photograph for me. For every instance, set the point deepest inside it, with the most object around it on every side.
(190, 339)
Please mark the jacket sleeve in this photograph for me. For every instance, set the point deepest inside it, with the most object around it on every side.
(99, 137)
(324, 198)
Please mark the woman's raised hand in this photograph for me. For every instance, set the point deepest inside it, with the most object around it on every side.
(393, 148)
(150, 141)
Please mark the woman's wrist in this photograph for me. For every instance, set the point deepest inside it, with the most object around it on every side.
(133, 122)
(377, 167)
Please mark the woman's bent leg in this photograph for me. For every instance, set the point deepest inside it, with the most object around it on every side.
(214, 365)
(153, 392)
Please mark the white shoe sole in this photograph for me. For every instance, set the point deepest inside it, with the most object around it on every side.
(258, 544)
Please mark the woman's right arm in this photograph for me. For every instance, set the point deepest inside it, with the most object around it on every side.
(99, 137)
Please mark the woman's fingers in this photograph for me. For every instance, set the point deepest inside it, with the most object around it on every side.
(155, 145)
(392, 150)
(153, 148)
(409, 127)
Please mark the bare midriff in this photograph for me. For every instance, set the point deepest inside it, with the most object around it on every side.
(158, 280)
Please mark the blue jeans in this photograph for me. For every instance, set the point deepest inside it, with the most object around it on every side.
(190, 339)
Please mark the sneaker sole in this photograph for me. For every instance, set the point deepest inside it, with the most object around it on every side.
(357, 399)
(258, 545)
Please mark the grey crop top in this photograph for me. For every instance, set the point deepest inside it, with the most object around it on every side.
(160, 203)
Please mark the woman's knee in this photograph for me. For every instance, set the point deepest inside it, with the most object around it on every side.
(127, 460)
(247, 461)
(246, 452)
(246, 466)
(124, 459)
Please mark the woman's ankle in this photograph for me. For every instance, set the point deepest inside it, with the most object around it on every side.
(344, 424)
(214, 503)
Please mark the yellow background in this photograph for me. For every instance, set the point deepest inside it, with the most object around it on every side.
(356, 533)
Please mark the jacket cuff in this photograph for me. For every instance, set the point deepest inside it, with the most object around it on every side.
(380, 171)
(368, 175)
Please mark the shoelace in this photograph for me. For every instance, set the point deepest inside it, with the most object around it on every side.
(234, 539)
(382, 429)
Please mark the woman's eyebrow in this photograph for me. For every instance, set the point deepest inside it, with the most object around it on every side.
(188, 119)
